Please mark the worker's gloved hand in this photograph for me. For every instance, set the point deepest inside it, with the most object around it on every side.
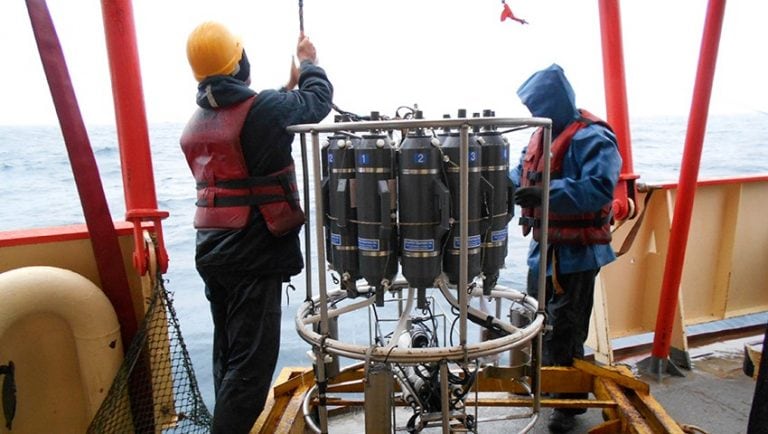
(528, 197)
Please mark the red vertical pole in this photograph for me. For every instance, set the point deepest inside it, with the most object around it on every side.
(616, 102)
(132, 131)
(681, 221)
(106, 247)
(138, 179)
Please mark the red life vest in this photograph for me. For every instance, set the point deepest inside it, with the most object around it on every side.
(225, 190)
(580, 228)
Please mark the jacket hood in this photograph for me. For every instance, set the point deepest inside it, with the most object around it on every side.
(221, 91)
(548, 94)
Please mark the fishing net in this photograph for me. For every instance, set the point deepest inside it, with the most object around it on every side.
(155, 389)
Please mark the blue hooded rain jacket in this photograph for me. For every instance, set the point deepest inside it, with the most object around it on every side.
(590, 171)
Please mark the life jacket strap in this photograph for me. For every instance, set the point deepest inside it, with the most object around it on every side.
(596, 222)
(286, 181)
(254, 181)
(534, 176)
(283, 180)
(251, 200)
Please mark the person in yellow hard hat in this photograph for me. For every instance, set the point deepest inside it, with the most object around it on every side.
(248, 214)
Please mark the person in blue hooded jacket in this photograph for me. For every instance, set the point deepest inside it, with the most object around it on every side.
(248, 215)
(585, 166)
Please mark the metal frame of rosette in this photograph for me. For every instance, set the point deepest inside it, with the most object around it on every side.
(312, 319)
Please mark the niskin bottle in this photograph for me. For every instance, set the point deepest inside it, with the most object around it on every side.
(342, 216)
(375, 197)
(452, 151)
(423, 209)
(495, 170)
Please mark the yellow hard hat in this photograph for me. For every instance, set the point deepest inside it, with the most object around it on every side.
(213, 50)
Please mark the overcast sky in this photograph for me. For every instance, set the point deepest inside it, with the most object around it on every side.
(442, 55)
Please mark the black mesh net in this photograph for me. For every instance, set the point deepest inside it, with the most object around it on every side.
(155, 389)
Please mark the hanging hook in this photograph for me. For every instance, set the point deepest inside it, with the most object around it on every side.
(287, 294)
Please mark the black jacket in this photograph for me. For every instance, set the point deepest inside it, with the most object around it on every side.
(266, 148)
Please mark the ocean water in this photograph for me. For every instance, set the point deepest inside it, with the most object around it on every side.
(37, 190)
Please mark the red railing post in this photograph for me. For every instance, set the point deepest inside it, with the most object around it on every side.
(681, 220)
(616, 104)
(132, 131)
(101, 229)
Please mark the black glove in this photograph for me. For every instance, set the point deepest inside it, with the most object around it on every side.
(528, 197)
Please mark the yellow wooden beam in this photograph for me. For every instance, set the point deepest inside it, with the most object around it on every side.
(632, 421)
(654, 412)
(614, 374)
(554, 379)
(297, 377)
(275, 406)
(292, 420)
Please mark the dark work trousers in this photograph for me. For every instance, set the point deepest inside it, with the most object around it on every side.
(246, 342)
(568, 315)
